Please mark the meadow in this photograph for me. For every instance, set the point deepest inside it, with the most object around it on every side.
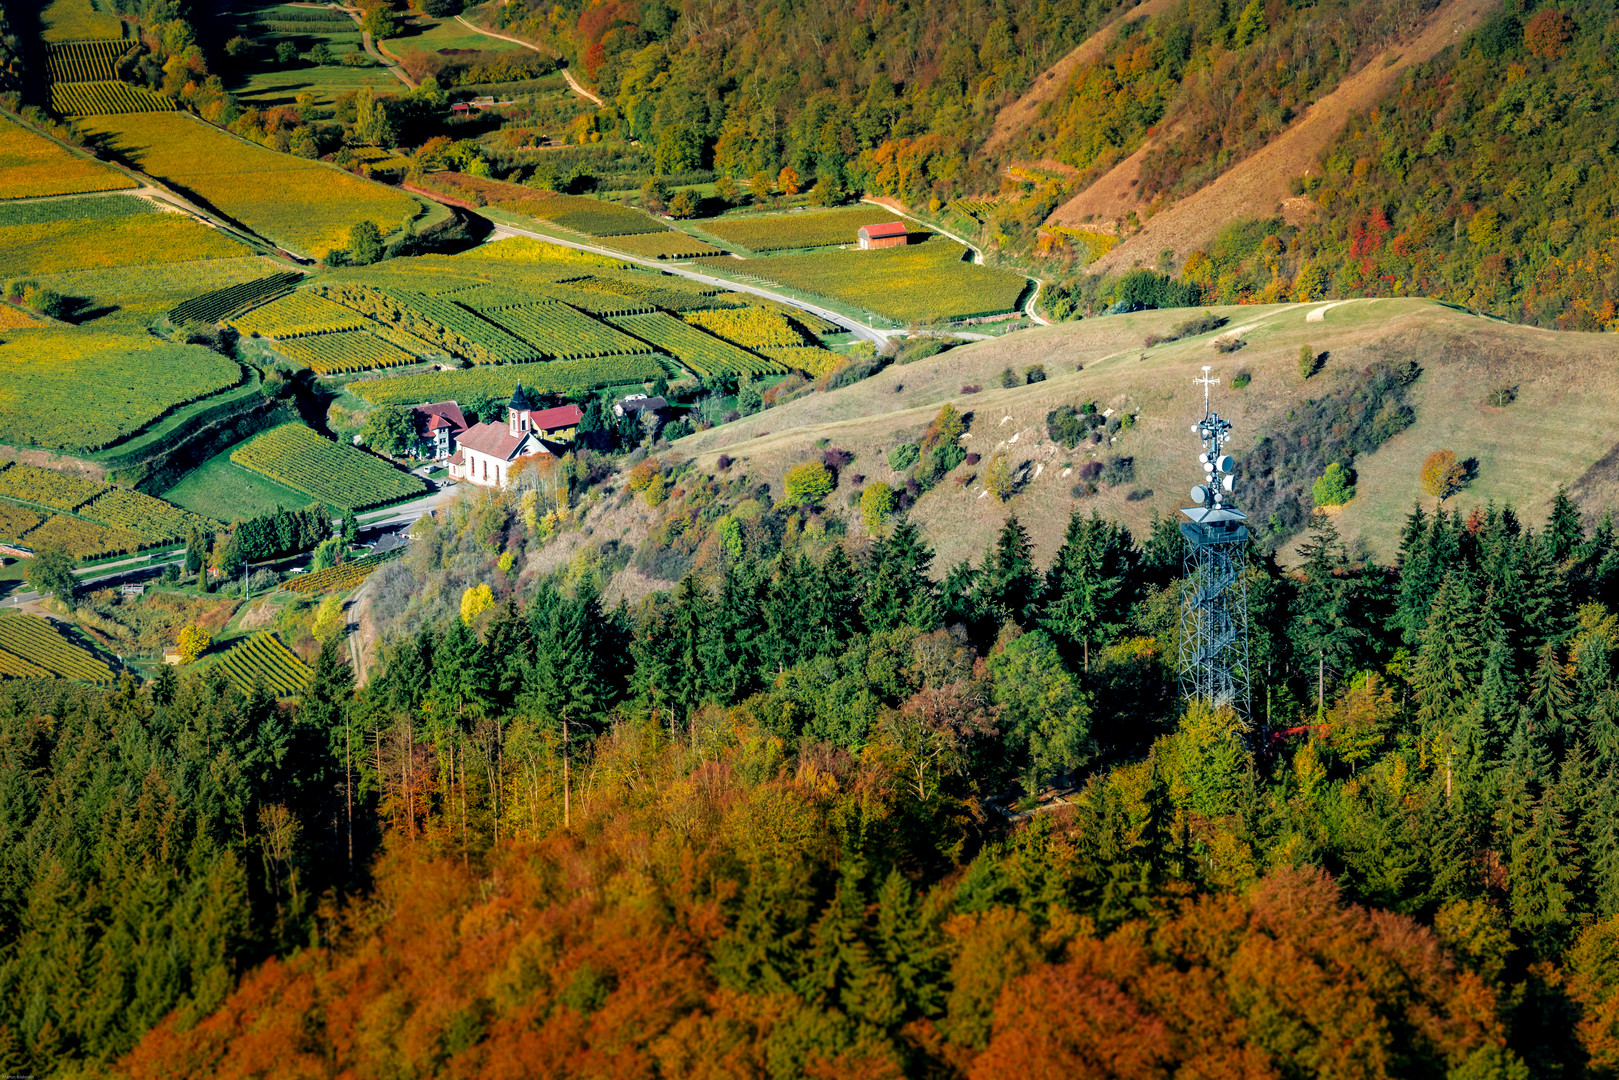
(32, 165)
(129, 298)
(74, 20)
(77, 389)
(803, 229)
(704, 353)
(140, 239)
(927, 282)
(582, 214)
(305, 206)
(223, 490)
(492, 380)
(330, 472)
(265, 82)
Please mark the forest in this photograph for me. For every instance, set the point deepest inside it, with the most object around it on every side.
(824, 808)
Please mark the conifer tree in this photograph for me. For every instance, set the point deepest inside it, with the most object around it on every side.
(1450, 656)
(1565, 531)
(897, 588)
(1549, 699)
(1089, 587)
(1325, 629)
(1008, 584)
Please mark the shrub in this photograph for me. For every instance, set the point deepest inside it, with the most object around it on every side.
(876, 504)
(1009, 379)
(1502, 396)
(972, 459)
(1230, 343)
(643, 474)
(1034, 374)
(1200, 324)
(1309, 363)
(808, 483)
(1145, 289)
(1090, 470)
(903, 456)
(947, 427)
(970, 388)
(1068, 427)
(1334, 487)
(723, 462)
(1118, 469)
(1240, 380)
(1138, 494)
(999, 478)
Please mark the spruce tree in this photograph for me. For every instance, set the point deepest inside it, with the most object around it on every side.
(1450, 656)
(1089, 587)
(1549, 697)
(1008, 585)
(1565, 531)
(896, 580)
(1325, 632)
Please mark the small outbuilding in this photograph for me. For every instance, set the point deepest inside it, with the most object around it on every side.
(888, 234)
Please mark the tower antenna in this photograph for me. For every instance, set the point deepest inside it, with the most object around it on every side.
(1214, 586)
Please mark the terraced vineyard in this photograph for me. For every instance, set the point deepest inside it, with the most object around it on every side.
(703, 353)
(342, 577)
(105, 98)
(262, 658)
(351, 350)
(501, 347)
(333, 473)
(35, 641)
(47, 487)
(559, 330)
(84, 61)
(781, 232)
(664, 245)
(221, 304)
(298, 314)
(84, 539)
(15, 667)
(16, 520)
(553, 377)
(812, 361)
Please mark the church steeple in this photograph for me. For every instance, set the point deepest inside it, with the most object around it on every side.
(517, 411)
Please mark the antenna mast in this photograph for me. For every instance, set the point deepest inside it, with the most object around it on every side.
(1214, 587)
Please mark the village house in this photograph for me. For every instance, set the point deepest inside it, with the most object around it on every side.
(438, 426)
(487, 453)
(888, 234)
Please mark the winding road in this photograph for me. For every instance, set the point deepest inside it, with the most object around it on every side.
(566, 74)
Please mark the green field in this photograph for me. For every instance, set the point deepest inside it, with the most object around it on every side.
(103, 242)
(927, 282)
(499, 380)
(32, 165)
(264, 82)
(222, 490)
(331, 472)
(436, 35)
(74, 20)
(305, 206)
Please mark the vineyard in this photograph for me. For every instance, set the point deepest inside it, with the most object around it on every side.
(335, 474)
(263, 659)
(35, 641)
(221, 304)
(16, 520)
(664, 245)
(84, 61)
(554, 377)
(490, 342)
(72, 389)
(136, 239)
(334, 354)
(32, 165)
(107, 98)
(15, 667)
(705, 354)
(83, 539)
(152, 519)
(559, 330)
(304, 205)
(400, 310)
(298, 314)
(752, 328)
(14, 318)
(928, 282)
(89, 208)
(781, 232)
(810, 360)
(59, 491)
(342, 577)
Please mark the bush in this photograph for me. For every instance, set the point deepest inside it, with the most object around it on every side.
(723, 462)
(1068, 427)
(808, 483)
(1502, 396)
(1309, 362)
(1009, 379)
(1034, 374)
(876, 504)
(1138, 494)
(1145, 289)
(1118, 469)
(970, 388)
(972, 459)
(903, 456)
(921, 347)
(999, 478)
(1240, 380)
(1200, 324)
(1334, 487)
(1230, 343)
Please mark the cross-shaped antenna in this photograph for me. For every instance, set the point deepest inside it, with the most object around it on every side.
(1207, 382)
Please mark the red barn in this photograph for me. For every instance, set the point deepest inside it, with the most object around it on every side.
(888, 234)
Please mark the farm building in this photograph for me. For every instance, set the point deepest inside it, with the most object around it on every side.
(488, 452)
(438, 426)
(888, 234)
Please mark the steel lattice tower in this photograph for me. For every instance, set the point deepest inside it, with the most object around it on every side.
(1214, 588)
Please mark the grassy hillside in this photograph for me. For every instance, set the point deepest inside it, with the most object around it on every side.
(1564, 383)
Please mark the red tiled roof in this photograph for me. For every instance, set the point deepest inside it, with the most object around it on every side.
(440, 413)
(887, 228)
(456, 458)
(496, 440)
(563, 416)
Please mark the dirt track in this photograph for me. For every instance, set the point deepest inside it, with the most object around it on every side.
(1257, 186)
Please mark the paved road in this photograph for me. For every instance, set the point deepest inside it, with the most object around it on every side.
(877, 337)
